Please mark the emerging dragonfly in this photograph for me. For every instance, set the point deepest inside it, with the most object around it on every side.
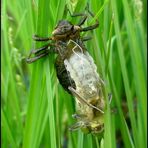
(76, 72)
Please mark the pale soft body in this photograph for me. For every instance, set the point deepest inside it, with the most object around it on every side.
(83, 71)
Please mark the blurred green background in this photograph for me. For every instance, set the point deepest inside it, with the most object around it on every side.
(36, 111)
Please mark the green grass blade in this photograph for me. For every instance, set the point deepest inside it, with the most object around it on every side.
(124, 73)
(50, 106)
(7, 129)
(137, 61)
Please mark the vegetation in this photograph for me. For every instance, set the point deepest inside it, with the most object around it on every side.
(36, 111)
